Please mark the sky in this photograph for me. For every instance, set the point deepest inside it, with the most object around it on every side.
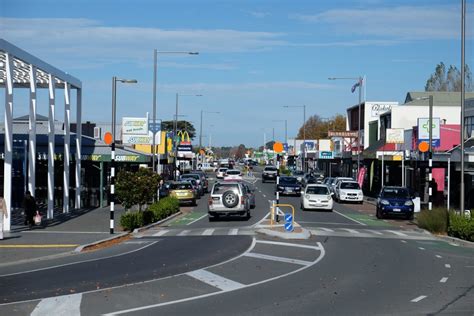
(255, 56)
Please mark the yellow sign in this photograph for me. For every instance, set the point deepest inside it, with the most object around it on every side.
(184, 136)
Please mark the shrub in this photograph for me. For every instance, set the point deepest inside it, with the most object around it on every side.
(461, 226)
(164, 208)
(284, 171)
(131, 220)
(435, 221)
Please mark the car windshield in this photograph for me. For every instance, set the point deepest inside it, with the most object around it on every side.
(193, 176)
(400, 193)
(233, 172)
(181, 186)
(222, 169)
(317, 190)
(223, 187)
(298, 173)
(350, 185)
(270, 169)
(288, 180)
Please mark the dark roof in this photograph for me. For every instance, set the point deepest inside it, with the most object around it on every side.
(440, 98)
(39, 118)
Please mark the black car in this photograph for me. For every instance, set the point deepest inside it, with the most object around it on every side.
(288, 185)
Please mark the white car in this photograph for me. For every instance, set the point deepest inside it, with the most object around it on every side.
(233, 175)
(317, 196)
(221, 173)
(349, 191)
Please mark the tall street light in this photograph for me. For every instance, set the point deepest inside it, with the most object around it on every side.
(112, 153)
(286, 129)
(200, 129)
(155, 66)
(463, 99)
(175, 127)
(303, 159)
(360, 82)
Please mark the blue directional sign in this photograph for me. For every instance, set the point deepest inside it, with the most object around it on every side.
(289, 226)
(285, 147)
(154, 127)
(288, 218)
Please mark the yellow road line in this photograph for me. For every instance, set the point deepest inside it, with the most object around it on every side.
(40, 246)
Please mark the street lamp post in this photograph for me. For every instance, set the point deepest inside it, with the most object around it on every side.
(463, 98)
(155, 67)
(200, 129)
(112, 153)
(175, 129)
(286, 130)
(360, 82)
(303, 159)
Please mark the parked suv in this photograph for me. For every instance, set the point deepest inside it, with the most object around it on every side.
(269, 173)
(228, 198)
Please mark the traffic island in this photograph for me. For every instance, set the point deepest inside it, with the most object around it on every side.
(278, 230)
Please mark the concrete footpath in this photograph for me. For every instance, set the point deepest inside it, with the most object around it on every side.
(58, 236)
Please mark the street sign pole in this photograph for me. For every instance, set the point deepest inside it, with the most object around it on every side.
(430, 155)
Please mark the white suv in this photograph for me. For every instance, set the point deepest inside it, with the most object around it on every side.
(228, 198)
(349, 191)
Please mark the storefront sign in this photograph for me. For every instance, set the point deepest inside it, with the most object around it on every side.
(424, 129)
(348, 134)
(380, 108)
(395, 136)
(326, 155)
(135, 126)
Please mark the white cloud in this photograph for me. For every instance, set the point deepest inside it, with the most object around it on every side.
(89, 40)
(259, 15)
(403, 22)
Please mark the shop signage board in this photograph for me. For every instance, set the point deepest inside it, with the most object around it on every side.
(395, 136)
(326, 155)
(424, 130)
(135, 125)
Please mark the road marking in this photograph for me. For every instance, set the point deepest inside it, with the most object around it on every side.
(275, 258)
(160, 233)
(260, 221)
(59, 305)
(403, 241)
(233, 231)
(321, 256)
(208, 232)
(326, 229)
(215, 280)
(264, 195)
(453, 244)
(374, 232)
(41, 246)
(396, 233)
(279, 243)
(419, 298)
(438, 256)
(352, 231)
(443, 280)
(349, 218)
(60, 232)
(447, 266)
(83, 261)
(421, 248)
(328, 223)
(184, 233)
(197, 219)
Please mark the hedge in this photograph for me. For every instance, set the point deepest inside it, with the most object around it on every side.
(461, 226)
(157, 211)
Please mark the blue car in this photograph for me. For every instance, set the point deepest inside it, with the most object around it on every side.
(395, 201)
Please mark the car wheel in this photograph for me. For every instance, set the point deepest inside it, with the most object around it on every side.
(378, 214)
(230, 199)
(410, 217)
(263, 181)
(194, 202)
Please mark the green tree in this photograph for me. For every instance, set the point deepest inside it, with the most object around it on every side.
(136, 188)
(182, 126)
(317, 127)
(442, 80)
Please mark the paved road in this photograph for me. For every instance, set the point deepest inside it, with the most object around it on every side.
(354, 264)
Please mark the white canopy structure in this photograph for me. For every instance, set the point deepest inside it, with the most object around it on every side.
(19, 69)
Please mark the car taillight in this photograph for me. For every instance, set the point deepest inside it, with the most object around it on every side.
(242, 200)
(209, 201)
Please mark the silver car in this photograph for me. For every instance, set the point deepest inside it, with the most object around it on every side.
(228, 198)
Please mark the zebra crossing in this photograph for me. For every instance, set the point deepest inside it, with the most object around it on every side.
(315, 231)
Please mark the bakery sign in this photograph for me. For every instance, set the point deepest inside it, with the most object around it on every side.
(380, 108)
